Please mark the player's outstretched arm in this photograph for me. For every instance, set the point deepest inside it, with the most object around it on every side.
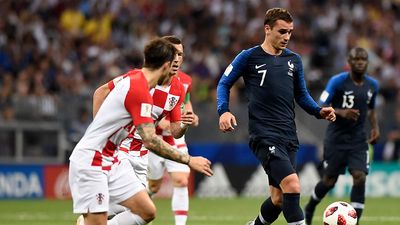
(155, 144)
(328, 113)
(98, 97)
(227, 122)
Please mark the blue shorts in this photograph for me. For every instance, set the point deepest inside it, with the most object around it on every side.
(277, 159)
(337, 160)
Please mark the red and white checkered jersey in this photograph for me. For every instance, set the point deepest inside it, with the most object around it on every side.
(128, 104)
(166, 100)
(186, 81)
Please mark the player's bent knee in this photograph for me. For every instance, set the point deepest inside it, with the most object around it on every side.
(149, 214)
(292, 186)
(329, 181)
(359, 177)
(155, 185)
(180, 183)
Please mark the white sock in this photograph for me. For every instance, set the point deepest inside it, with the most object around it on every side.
(301, 222)
(114, 209)
(180, 204)
(126, 218)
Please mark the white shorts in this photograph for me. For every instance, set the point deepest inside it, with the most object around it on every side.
(138, 163)
(93, 190)
(157, 165)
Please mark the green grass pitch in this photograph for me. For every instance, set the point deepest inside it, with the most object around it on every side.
(202, 212)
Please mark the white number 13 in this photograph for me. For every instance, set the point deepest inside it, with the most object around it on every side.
(348, 101)
(264, 72)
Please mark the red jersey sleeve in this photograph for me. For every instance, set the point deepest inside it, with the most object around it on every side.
(111, 84)
(138, 101)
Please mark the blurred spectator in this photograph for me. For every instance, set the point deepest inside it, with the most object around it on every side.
(53, 53)
(78, 127)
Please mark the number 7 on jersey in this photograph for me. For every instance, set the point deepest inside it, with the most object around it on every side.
(264, 72)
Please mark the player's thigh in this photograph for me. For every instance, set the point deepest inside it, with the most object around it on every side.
(89, 189)
(141, 204)
(139, 165)
(335, 161)
(155, 169)
(358, 159)
(123, 182)
(278, 160)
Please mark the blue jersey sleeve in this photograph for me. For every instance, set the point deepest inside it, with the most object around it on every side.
(302, 95)
(375, 85)
(327, 95)
(230, 76)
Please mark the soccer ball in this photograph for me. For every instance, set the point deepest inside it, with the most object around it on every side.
(340, 213)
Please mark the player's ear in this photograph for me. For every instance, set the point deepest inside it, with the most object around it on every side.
(167, 65)
(267, 29)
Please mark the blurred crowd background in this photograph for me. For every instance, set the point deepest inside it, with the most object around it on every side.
(54, 53)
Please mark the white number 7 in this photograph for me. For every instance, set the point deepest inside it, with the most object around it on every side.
(264, 72)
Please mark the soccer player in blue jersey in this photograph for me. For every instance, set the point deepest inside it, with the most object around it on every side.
(352, 94)
(274, 79)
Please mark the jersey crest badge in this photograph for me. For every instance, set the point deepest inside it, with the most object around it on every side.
(172, 101)
(99, 198)
(291, 68)
(369, 95)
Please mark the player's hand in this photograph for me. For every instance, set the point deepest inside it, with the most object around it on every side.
(328, 113)
(201, 165)
(351, 114)
(196, 120)
(374, 136)
(188, 118)
(227, 122)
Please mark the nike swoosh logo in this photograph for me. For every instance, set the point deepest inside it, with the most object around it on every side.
(259, 66)
(348, 92)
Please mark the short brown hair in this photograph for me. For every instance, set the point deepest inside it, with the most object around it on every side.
(274, 14)
(173, 39)
(157, 52)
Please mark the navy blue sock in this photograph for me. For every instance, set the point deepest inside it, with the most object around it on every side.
(357, 198)
(291, 207)
(269, 213)
(320, 191)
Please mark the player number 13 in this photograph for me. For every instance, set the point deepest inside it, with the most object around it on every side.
(348, 101)
(264, 72)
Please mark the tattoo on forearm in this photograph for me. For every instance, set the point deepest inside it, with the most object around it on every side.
(158, 146)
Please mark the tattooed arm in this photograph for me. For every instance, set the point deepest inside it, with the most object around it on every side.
(155, 144)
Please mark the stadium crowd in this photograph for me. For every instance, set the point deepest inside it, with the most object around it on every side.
(54, 53)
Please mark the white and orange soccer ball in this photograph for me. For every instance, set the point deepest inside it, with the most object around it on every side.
(340, 213)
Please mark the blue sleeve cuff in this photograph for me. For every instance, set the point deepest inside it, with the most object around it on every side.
(317, 112)
(222, 111)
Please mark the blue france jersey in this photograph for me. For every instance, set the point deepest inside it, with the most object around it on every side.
(272, 84)
(342, 93)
